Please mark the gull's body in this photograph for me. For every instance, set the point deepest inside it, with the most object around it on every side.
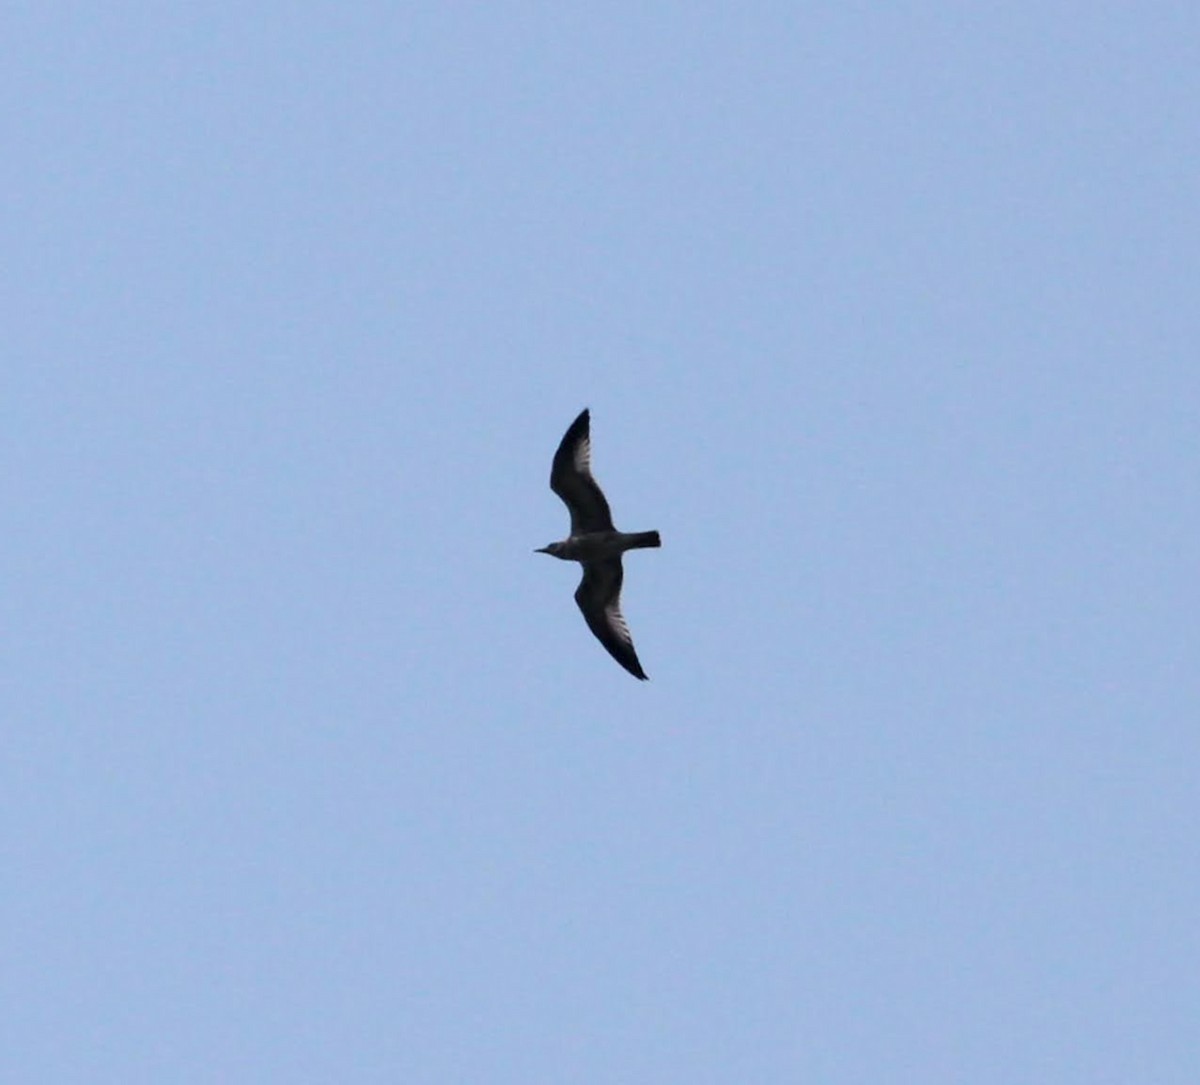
(595, 544)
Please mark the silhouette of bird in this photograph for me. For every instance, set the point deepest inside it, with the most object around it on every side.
(595, 544)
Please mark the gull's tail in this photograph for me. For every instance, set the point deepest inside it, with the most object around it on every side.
(644, 539)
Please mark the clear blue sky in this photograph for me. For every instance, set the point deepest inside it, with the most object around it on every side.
(887, 317)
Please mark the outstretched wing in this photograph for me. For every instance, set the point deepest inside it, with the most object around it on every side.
(571, 478)
(599, 597)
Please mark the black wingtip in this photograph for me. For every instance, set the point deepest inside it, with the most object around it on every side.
(578, 428)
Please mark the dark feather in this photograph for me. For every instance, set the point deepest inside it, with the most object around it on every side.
(599, 597)
(571, 478)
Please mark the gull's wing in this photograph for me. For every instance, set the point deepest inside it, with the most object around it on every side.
(599, 597)
(571, 478)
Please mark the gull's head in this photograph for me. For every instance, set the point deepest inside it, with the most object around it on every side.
(554, 549)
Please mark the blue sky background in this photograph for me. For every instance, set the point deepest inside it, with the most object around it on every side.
(887, 316)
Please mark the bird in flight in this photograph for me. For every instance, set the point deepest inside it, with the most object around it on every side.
(595, 544)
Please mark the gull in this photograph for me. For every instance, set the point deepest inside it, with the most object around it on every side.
(595, 544)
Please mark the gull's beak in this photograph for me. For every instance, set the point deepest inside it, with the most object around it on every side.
(542, 550)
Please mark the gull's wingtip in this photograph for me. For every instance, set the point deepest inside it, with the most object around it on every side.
(579, 427)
